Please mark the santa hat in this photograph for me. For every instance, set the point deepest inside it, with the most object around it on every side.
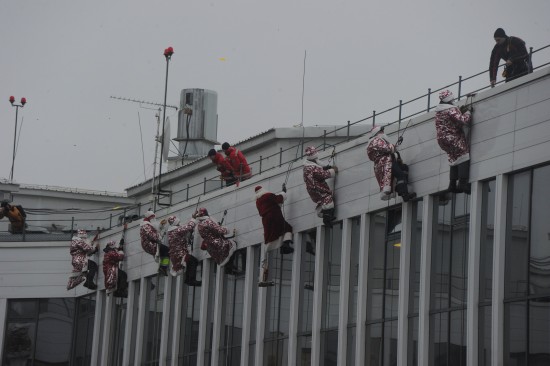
(111, 244)
(374, 131)
(149, 215)
(311, 153)
(200, 212)
(259, 191)
(82, 233)
(446, 96)
(173, 220)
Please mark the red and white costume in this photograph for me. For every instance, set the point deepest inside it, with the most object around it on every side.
(149, 234)
(315, 177)
(80, 248)
(380, 150)
(449, 123)
(111, 259)
(178, 240)
(276, 229)
(214, 241)
(223, 166)
(239, 165)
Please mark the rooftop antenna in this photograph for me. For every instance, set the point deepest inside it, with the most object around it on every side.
(157, 139)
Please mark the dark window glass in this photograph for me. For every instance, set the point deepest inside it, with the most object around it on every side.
(412, 349)
(118, 329)
(84, 330)
(254, 308)
(232, 312)
(539, 231)
(515, 339)
(487, 237)
(189, 331)
(383, 287)
(354, 269)
(21, 309)
(135, 312)
(54, 331)
(305, 311)
(449, 279)
(331, 294)
(517, 236)
(210, 312)
(484, 349)
(350, 355)
(153, 319)
(278, 309)
(539, 331)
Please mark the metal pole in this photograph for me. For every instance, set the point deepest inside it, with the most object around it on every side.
(14, 142)
(324, 139)
(459, 86)
(400, 109)
(348, 131)
(280, 157)
(373, 117)
(163, 122)
(429, 95)
(187, 198)
(260, 164)
(204, 186)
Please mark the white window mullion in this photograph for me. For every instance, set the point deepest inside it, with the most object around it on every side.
(164, 337)
(497, 336)
(404, 275)
(140, 320)
(474, 246)
(177, 320)
(203, 316)
(344, 293)
(247, 305)
(362, 290)
(425, 270)
(128, 324)
(217, 316)
(317, 297)
(98, 318)
(294, 300)
(106, 336)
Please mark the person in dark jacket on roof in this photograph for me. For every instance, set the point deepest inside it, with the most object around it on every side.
(239, 165)
(513, 51)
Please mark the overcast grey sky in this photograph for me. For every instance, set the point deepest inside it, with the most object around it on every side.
(67, 57)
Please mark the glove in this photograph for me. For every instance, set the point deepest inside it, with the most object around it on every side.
(335, 169)
(284, 187)
(399, 140)
(327, 167)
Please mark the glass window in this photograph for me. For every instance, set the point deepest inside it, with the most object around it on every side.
(305, 311)
(153, 319)
(210, 313)
(330, 305)
(254, 303)
(232, 311)
(414, 281)
(449, 279)
(84, 329)
(353, 287)
(527, 286)
(135, 316)
(189, 330)
(39, 331)
(486, 272)
(278, 309)
(383, 287)
(118, 328)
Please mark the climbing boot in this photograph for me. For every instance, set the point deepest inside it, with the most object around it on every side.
(464, 177)
(191, 271)
(328, 217)
(286, 248)
(453, 176)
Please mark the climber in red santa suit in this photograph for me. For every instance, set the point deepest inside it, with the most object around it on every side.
(449, 125)
(387, 167)
(223, 166)
(83, 268)
(315, 176)
(239, 165)
(151, 241)
(277, 231)
(213, 234)
(115, 278)
(179, 237)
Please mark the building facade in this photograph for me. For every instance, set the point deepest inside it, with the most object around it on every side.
(458, 281)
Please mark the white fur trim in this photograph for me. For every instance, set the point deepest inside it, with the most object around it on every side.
(443, 107)
(386, 189)
(260, 192)
(287, 236)
(328, 206)
(312, 163)
(460, 160)
(275, 244)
